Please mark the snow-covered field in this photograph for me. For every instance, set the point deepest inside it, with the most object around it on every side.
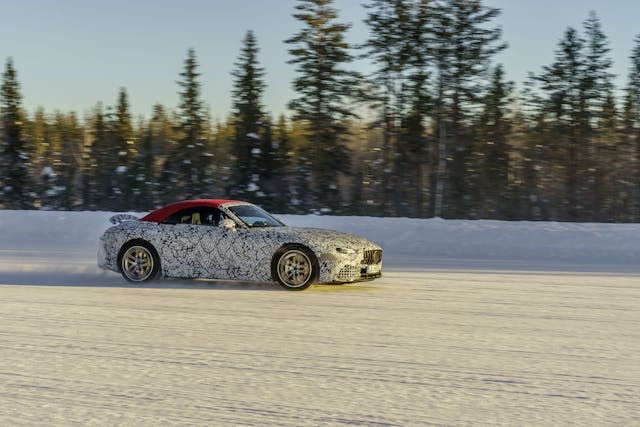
(473, 323)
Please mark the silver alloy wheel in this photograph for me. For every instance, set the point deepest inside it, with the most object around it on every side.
(294, 268)
(137, 263)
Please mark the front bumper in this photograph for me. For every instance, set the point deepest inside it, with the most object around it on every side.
(366, 266)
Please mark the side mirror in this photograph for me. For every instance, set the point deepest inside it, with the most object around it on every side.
(228, 224)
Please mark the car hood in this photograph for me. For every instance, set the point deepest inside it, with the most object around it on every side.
(323, 237)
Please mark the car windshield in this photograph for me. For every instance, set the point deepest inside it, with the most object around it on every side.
(254, 216)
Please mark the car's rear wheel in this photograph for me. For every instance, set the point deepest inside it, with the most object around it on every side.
(295, 267)
(138, 261)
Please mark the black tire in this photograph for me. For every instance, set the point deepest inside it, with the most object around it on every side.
(138, 261)
(295, 267)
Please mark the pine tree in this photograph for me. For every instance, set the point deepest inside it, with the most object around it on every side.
(632, 119)
(320, 53)
(597, 80)
(606, 165)
(67, 142)
(634, 81)
(14, 179)
(400, 47)
(521, 175)
(86, 168)
(627, 160)
(463, 46)
(492, 185)
(577, 99)
(387, 48)
(413, 144)
(146, 159)
(103, 162)
(596, 111)
(535, 153)
(166, 134)
(191, 157)
(267, 174)
(563, 85)
(283, 168)
(248, 177)
(222, 149)
(153, 150)
(38, 133)
(124, 150)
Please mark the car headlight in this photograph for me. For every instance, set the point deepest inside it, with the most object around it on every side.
(346, 251)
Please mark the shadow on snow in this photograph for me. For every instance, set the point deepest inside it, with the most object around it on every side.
(114, 280)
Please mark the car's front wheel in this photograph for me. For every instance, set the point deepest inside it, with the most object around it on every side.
(295, 267)
(138, 261)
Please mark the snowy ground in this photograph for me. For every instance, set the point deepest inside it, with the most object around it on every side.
(473, 323)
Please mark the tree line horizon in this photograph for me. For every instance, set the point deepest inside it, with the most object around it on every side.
(446, 135)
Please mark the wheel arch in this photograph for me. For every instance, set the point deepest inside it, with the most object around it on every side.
(294, 245)
(137, 241)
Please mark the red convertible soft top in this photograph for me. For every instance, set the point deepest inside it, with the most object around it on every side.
(159, 215)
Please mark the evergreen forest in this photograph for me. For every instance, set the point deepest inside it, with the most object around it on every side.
(435, 130)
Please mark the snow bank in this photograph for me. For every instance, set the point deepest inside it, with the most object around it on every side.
(556, 242)
(52, 230)
(420, 240)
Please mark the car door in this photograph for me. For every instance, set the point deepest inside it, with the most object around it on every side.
(191, 244)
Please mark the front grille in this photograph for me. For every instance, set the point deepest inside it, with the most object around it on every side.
(372, 257)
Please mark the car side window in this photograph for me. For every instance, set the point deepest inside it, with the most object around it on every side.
(196, 216)
(209, 216)
(180, 217)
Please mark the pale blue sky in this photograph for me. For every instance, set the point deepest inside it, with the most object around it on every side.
(70, 54)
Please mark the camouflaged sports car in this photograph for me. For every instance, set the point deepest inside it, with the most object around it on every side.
(229, 239)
